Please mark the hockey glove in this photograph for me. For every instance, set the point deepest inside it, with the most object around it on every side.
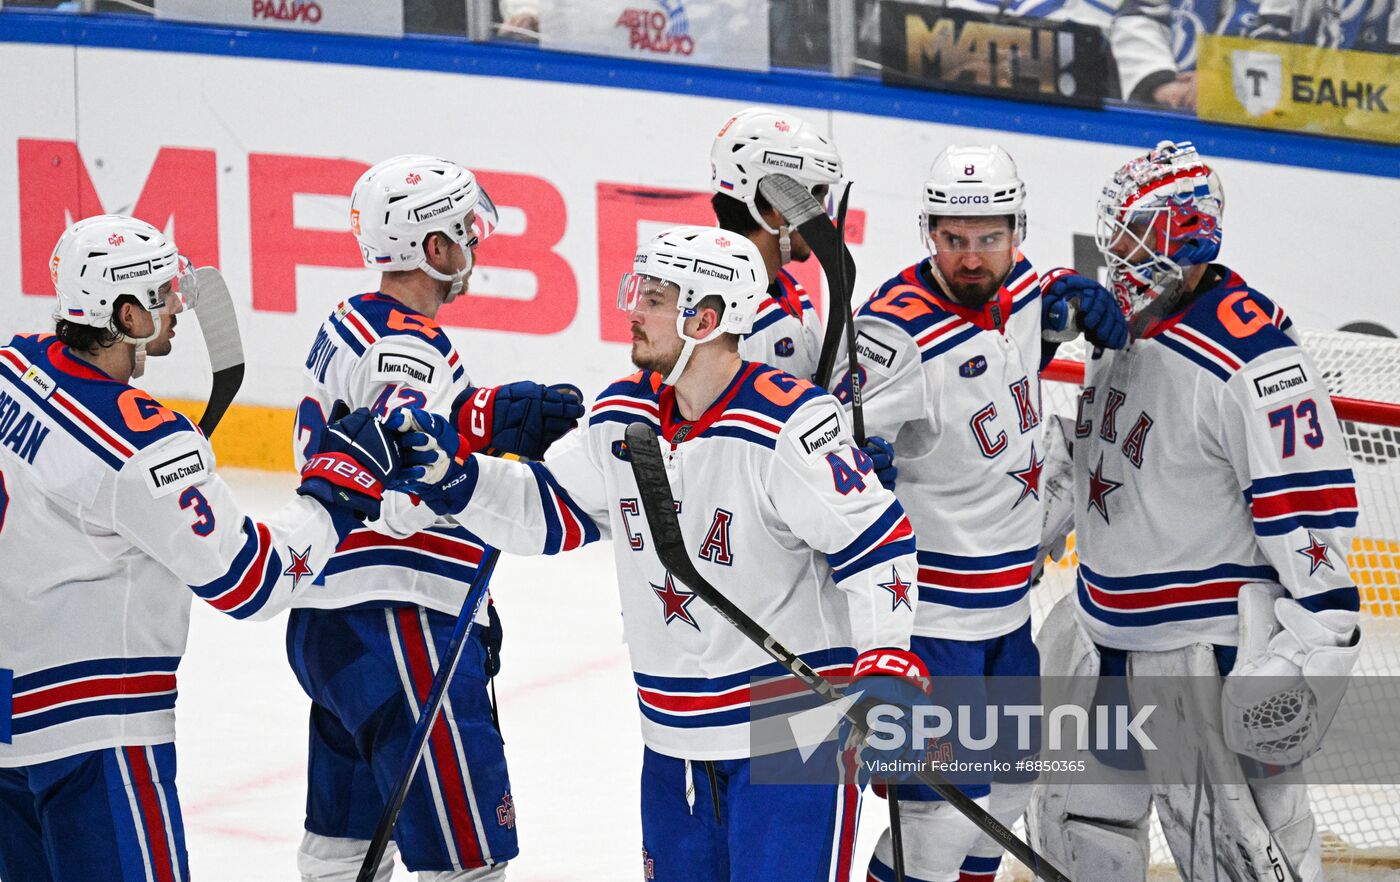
(350, 468)
(1094, 309)
(490, 637)
(437, 466)
(891, 684)
(881, 453)
(1290, 677)
(522, 418)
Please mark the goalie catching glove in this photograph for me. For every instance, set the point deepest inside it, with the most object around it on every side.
(522, 418)
(1290, 676)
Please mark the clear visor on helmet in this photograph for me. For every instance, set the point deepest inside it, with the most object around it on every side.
(183, 291)
(639, 292)
(485, 218)
(993, 236)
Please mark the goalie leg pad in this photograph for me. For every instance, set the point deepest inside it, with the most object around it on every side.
(936, 839)
(1283, 804)
(333, 859)
(1208, 814)
(1093, 831)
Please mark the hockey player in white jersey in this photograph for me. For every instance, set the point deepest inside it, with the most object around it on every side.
(950, 352)
(781, 511)
(787, 332)
(1214, 502)
(367, 657)
(111, 514)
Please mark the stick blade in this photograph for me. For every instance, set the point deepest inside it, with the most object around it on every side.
(218, 324)
(794, 201)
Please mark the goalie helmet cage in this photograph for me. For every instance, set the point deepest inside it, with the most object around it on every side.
(1359, 824)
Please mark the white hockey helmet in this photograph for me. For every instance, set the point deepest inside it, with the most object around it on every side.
(973, 181)
(101, 258)
(1166, 206)
(695, 263)
(759, 141)
(396, 204)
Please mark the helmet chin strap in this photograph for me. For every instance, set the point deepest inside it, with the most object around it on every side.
(784, 245)
(687, 350)
(458, 279)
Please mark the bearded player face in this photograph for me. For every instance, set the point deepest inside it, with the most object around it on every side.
(973, 255)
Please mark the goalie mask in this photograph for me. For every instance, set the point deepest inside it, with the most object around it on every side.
(1159, 214)
(692, 263)
(398, 203)
(100, 259)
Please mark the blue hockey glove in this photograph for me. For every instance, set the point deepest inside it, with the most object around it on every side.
(522, 418)
(897, 679)
(348, 471)
(490, 637)
(438, 467)
(881, 453)
(1099, 315)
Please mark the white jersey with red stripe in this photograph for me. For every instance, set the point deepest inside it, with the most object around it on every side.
(787, 332)
(375, 352)
(1207, 455)
(957, 392)
(781, 512)
(110, 516)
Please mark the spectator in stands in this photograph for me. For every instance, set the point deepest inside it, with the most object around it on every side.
(1155, 41)
(520, 20)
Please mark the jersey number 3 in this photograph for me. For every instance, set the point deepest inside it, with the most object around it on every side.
(204, 515)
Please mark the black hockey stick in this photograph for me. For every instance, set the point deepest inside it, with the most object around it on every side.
(802, 210)
(432, 705)
(665, 527)
(857, 383)
(218, 323)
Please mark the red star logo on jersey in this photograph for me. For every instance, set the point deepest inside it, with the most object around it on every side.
(899, 588)
(1316, 553)
(1099, 488)
(299, 567)
(674, 602)
(1029, 478)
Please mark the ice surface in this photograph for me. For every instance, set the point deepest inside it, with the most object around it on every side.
(567, 706)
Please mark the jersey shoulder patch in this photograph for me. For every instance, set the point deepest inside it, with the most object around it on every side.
(816, 428)
(1227, 328)
(406, 362)
(175, 463)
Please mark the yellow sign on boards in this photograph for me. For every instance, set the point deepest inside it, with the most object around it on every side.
(1301, 88)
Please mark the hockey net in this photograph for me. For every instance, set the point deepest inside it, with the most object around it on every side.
(1360, 824)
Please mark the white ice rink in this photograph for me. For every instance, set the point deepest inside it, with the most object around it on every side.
(567, 707)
